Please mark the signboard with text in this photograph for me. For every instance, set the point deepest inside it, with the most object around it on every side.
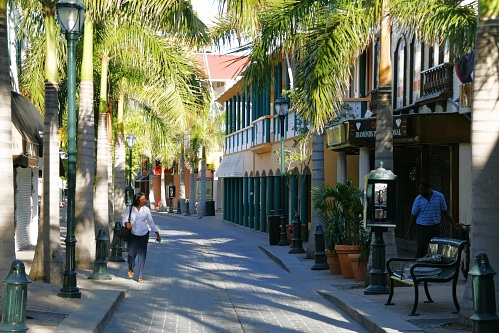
(362, 129)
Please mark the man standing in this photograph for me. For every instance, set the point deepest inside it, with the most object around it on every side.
(426, 212)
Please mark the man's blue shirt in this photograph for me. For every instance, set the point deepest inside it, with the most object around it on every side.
(428, 212)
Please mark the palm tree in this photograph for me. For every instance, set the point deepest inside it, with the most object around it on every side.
(6, 220)
(160, 16)
(85, 150)
(45, 42)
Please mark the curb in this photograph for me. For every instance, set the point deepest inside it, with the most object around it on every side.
(365, 312)
(369, 315)
(94, 314)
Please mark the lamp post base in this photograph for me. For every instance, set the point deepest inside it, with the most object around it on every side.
(377, 274)
(69, 289)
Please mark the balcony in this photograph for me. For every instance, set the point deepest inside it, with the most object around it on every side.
(437, 85)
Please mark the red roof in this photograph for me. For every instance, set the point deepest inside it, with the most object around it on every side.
(222, 67)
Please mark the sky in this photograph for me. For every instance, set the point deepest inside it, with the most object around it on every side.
(206, 9)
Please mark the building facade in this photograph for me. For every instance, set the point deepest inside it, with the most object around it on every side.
(431, 135)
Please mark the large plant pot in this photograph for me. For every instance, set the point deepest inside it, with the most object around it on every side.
(334, 262)
(343, 252)
(359, 268)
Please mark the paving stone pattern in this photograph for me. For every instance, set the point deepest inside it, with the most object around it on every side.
(208, 276)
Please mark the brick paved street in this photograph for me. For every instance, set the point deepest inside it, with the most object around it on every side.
(210, 276)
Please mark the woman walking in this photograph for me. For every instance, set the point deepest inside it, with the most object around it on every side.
(139, 221)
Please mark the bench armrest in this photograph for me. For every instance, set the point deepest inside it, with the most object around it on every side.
(394, 260)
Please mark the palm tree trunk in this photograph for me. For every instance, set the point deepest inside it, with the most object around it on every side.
(110, 188)
(317, 181)
(47, 262)
(85, 150)
(162, 207)
(119, 163)
(7, 246)
(182, 176)
(484, 148)
(384, 115)
(192, 188)
(101, 185)
(202, 198)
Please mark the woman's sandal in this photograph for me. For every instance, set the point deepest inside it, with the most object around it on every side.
(140, 280)
(130, 274)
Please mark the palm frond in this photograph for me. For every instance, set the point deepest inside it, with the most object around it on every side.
(451, 21)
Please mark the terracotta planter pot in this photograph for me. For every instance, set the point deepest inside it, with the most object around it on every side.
(359, 268)
(334, 262)
(343, 252)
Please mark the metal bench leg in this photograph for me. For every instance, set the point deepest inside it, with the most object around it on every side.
(416, 300)
(390, 296)
(454, 297)
(427, 293)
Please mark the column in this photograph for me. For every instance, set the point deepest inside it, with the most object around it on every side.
(363, 165)
(257, 203)
(341, 175)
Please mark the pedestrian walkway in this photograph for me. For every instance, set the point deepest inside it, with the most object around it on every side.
(212, 276)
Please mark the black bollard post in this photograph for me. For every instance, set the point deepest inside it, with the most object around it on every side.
(484, 318)
(100, 263)
(15, 298)
(116, 248)
(320, 248)
(179, 210)
(187, 211)
(297, 244)
(170, 210)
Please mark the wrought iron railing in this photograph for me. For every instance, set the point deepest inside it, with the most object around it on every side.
(437, 80)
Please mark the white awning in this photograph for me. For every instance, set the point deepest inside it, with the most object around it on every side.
(231, 166)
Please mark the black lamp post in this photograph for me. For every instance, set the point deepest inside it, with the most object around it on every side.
(71, 16)
(130, 140)
(281, 107)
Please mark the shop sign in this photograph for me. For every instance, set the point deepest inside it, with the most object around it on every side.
(362, 129)
(336, 135)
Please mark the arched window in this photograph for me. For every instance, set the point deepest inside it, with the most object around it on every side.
(400, 82)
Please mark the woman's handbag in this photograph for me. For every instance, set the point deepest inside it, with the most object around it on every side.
(126, 234)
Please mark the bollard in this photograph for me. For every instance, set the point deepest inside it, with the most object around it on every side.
(116, 248)
(484, 318)
(16, 295)
(297, 244)
(187, 212)
(100, 263)
(170, 209)
(320, 248)
(179, 210)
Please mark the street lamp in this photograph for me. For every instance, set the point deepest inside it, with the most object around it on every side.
(281, 107)
(130, 140)
(71, 16)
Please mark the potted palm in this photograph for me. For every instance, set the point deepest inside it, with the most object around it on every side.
(341, 210)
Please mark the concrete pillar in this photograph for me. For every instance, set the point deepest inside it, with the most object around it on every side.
(364, 165)
(341, 174)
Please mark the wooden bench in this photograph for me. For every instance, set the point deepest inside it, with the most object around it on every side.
(440, 265)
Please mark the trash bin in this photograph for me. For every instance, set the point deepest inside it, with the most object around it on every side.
(210, 208)
(274, 223)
